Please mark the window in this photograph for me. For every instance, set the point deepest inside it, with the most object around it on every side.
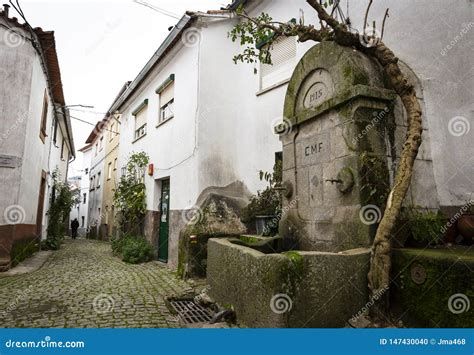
(98, 180)
(87, 171)
(84, 198)
(166, 111)
(92, 183)
(96, 148)
(44, 117)
(55, 134)
(62, 150)
(166, 98)
(83, 219)
(112, 132)
(115, 164)
(283, 56)
(109, 171)
(140, 114)
(101, 143)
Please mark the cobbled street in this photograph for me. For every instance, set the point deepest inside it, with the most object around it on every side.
(84, 285)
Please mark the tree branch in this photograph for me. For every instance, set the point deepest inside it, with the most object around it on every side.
(383, 23)
(367, 14)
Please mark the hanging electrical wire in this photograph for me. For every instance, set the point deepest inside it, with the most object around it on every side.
(158, 9)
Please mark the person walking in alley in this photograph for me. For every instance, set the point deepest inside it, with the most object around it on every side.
(74, 227)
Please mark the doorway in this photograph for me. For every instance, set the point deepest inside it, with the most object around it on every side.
(40, 208)
(164, 221)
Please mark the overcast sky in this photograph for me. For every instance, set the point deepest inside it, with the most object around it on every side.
(102, 44)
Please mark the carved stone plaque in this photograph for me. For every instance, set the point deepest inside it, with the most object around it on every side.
(317, 88)
(315, 95)
(314, 150)
(9, 161)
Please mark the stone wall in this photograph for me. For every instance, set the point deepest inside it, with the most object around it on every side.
(317, 289)
(433, 287)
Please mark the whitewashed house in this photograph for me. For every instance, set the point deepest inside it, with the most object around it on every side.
(207, 123)
(81, 211)
(35, 133)
(97, 141)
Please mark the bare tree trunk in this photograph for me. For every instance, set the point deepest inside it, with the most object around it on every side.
(380, 265)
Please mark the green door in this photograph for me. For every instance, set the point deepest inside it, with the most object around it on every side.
(164, 221)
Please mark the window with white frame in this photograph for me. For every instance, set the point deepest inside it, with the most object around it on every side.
(109, 171)
(112, 131)
(140, 114)
(283, 58)
(98, 180)
(166, 99)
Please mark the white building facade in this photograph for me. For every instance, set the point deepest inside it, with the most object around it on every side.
(207, 123)
(36, 136)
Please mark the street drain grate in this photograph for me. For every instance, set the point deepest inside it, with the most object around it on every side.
(191, 312)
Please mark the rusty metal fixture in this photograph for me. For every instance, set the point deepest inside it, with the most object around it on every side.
(286, 188)
(418, 273)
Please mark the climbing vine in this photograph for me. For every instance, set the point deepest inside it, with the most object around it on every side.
(130, 195)
(61, 202)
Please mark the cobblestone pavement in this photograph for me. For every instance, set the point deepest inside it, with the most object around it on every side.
(84, 285)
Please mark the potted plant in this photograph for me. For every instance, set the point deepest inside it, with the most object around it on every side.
(263, 212)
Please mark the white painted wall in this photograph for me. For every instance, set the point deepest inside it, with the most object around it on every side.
(171, 146)
(85, 186)
(21, 105)
(95, 194)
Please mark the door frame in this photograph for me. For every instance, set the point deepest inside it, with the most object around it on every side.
(164, 257)
(40, 207)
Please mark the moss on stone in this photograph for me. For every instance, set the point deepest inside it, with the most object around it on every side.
(297, 261)
(425, 303)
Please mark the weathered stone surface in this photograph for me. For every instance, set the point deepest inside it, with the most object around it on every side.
(339, 111)
(217, 215)
(318, 289)
(443, 297)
